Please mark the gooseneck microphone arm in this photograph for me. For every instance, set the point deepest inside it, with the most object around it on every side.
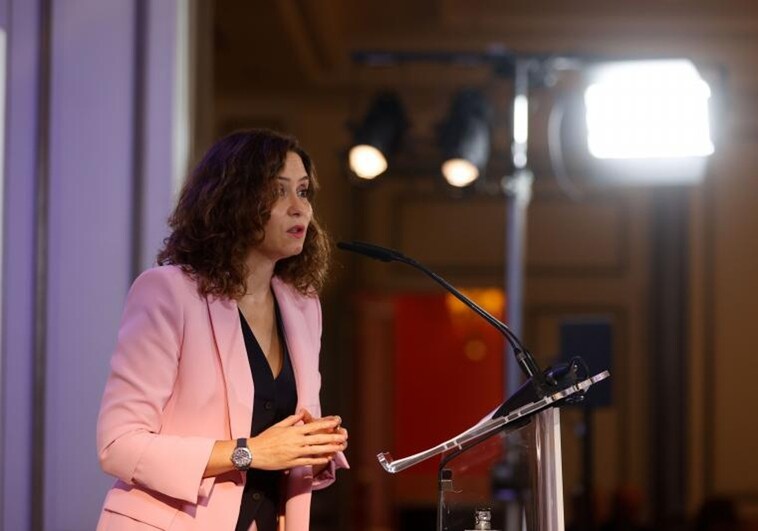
(525, 360)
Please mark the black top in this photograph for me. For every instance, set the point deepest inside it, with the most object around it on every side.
(275, 399)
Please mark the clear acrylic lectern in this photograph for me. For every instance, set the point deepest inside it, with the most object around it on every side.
(505, 472)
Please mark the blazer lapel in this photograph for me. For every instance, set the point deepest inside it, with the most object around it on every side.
(238, 379)
(293, 320)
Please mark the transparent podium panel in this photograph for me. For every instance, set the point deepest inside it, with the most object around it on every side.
(514, 476)
(503, 473)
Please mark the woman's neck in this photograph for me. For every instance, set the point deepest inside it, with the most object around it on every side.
(258, 281)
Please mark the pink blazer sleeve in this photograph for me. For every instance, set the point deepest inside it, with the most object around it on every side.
(143, 372)
(329, 474)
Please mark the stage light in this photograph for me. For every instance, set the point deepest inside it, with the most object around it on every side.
(648, 110)
(377, 137)
(367, 162)
(459, 172)
(465, 139)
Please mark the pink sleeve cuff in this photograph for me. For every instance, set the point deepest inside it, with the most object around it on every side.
(175, 465)
(329, 474)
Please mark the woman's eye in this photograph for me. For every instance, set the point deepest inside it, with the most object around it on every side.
(303, 193)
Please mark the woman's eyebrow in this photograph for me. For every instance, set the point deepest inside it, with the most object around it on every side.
(288, 179)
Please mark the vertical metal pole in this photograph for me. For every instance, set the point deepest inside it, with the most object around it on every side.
(518, 192)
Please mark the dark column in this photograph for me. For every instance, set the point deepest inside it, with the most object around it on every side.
(668, 355)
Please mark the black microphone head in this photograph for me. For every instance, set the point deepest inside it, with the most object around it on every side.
(372, 251)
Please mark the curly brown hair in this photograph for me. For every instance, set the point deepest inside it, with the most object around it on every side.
(223, 210)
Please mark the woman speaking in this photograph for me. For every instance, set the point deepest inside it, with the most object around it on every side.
(210, 417)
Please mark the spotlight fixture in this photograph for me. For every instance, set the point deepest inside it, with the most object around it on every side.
(377, 137)
(648, 110)
(465, 138)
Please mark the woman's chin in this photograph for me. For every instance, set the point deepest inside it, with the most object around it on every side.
(291, 252)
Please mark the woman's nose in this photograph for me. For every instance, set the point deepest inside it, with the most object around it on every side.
(296, 206)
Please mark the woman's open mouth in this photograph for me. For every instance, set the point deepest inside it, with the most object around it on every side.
(298, 231)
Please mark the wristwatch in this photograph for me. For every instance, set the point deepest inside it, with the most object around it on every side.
(242, 456)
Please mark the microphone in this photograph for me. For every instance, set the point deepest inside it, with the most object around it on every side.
(526, 361)
(372, 251)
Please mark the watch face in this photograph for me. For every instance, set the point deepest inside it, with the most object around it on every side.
(241, 458)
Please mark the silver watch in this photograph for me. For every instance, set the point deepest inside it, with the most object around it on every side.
(242, 456)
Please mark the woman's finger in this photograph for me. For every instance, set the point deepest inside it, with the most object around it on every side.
(328, 423)
(324, 439)
(292, 419)
(320, 450)
(311, 461)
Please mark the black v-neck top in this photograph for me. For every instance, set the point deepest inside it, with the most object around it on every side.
(275, 399)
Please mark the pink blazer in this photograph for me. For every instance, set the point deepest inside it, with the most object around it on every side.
(179, 381)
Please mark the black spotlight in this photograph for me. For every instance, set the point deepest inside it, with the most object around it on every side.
(465, 138)
(378, 136)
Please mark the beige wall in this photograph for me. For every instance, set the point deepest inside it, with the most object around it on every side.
(724, 287)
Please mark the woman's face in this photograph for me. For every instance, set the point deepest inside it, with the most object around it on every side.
(290, 214)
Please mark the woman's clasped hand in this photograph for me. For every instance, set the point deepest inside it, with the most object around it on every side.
(298, 440)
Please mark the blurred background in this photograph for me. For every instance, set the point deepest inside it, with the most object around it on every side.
(650, 272)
